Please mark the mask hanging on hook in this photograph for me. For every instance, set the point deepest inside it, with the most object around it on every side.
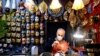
(43, 7)
(31, 6)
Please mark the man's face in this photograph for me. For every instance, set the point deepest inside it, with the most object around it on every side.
(60, 34)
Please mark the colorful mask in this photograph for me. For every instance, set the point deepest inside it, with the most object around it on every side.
(36, 25)
(32, 26)
(43, 7)
(36, 33)
(41, 40)
(36, 19)
(8, 40)
(42, 33)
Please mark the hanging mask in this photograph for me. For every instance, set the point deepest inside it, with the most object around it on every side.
(8, 40)
(22, 13)
(18, 40)
(41, 26)
(32, 18)
(4, 45)
(17, 24)
(68, 6)
(86, 2)
(27, 14)
(36, 19)
(41, 32)
(22, 35)
(23, 41)
(36, 33)
(8, 23)
(17, 14)
(27, 26)
(13, 40)
(31, 6)
(13, 34)
(23, 31)
(13, 28)
(36, 41)
(32, 26)
(10, 45)
(32, 33)
(18, 19)
(18, 29)
(36, 25)
(28, 40)
(41, 40)
(0, 45)
(43, 7)
(32, 40)
(27, 19)
(8, 34)
(13, 23)
(65, 16)
(21, 5)
(72, 19)
(18, 35)
(46, 16)
(28, 33)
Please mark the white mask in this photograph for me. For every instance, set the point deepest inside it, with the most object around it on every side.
(59, 38)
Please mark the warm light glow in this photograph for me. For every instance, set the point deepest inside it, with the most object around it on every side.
(78, 33)
(78, 4)
(55, 4)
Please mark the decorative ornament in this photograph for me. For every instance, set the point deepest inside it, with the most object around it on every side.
(41, 40)
(31, 6)
(23, 41)
(43, 7)
(36, 19)
(36, 25)
(36, 33)
(65, 16)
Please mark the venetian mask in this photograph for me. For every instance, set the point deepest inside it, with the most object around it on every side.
(18, 40)
(41, 40)
(43, 7)
(36, 41)
(41, 32)
(23, 41)
(65, 16)
(28, 40)
(27, 14)
(36, 33)
(36, 19)
(36, 25)
(8, 40)
(32, 25)
(32, 33)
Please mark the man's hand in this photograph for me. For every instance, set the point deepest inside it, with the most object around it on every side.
(55, 43)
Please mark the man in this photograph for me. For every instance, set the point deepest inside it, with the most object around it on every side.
(60, 45)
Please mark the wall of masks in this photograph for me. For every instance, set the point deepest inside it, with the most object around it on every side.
(27, 23)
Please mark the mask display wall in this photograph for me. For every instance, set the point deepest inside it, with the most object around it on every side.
(28, 23)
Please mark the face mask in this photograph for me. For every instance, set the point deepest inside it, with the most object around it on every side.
(59, 38)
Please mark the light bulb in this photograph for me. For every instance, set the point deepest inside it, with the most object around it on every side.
(55, 4)
(78, 4)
